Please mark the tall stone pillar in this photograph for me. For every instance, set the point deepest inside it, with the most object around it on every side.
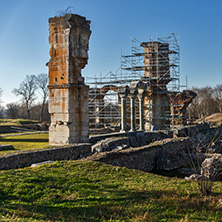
(141, 111)
(68, 95)
(123, 92)
(157, 72)
(132, 112)
(123, 113)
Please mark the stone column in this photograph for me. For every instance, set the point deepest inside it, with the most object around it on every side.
(123, 113)
(68, 95)
(141, 111)
(123, 92)
(133, 112)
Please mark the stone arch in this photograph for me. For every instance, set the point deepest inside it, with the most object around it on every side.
(100, 109)
(106, 88)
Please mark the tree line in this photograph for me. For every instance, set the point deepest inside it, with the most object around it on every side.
(29, 107)
(207, 102)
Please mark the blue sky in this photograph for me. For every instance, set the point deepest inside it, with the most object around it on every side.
(24, 35)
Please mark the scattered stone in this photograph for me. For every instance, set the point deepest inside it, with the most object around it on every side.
(42, 163)
(210, 168)
(110, 144)
(194, 177)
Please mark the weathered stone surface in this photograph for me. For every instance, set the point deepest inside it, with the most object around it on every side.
(133, 158)
(174, 154)
(42, 163)
(191, 131)
(150, 137)
(25, 159)
(110, 144)
(137, 138)
(194, 177)
(211, 167)
(156, 102)
(68, 95)
(167, 154)
(179, 103)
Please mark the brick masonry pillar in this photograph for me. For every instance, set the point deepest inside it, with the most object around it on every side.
(68, 95)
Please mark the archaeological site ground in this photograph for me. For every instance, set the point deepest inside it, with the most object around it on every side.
(119, 147)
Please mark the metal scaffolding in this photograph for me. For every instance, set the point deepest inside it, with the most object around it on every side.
(166, 54)
(156, 62)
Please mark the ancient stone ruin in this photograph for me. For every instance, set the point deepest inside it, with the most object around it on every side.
(181, 100)
(143, 104)
(68, 95)
(156, 64)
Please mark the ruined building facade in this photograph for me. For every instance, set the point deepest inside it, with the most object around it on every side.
(155, 63)
(68, 95)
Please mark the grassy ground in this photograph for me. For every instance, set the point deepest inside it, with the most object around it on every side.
(18, 133)
(25, 142)
(16, 122)
(92, 191)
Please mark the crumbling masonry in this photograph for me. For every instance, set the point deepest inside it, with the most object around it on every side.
(157, 64)
(147, 99)
(68, 95)
(157, 72)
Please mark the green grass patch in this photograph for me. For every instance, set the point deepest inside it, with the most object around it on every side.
(93, 191)
(17, 122)
(25, 142)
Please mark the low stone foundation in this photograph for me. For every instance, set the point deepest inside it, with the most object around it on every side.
(167, 149)
(136, 139)
(26, 159)
(162, 155)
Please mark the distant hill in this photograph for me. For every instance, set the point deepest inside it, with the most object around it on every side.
(215, 118)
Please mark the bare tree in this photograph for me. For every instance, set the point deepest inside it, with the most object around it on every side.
(2, 109)
(27, 92)
(12, 110)
(217, 93)
(204, 104)
(1, 91)
(42, 82)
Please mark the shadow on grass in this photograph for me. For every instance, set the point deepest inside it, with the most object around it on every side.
(123, 207)
(101, 202)
(4, 196)
(23, 140)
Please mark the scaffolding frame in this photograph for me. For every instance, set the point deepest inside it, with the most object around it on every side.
(132, 68)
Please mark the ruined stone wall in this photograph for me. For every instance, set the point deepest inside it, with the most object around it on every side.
(26, 159)
(163, 155)
(179, 103)
(68, 95)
